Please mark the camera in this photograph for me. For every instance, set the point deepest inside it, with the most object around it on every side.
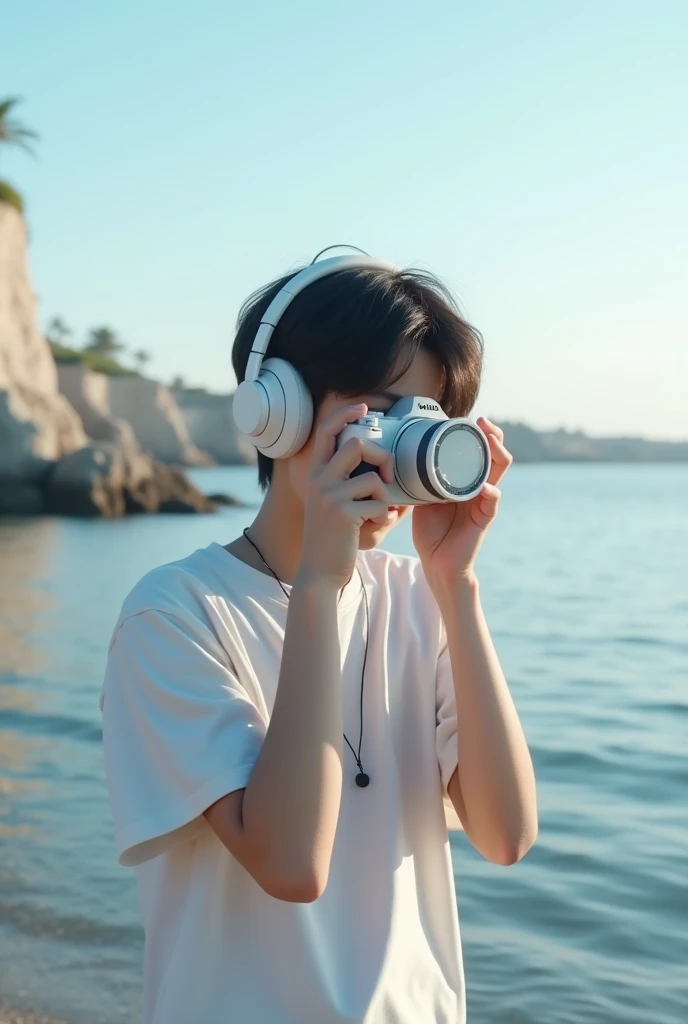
(436, 458)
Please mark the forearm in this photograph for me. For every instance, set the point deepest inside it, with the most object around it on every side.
(497, 781)
(291, 803)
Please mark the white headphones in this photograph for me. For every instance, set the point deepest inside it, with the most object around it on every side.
(272, 406)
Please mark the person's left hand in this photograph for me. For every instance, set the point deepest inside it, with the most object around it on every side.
(449, 535)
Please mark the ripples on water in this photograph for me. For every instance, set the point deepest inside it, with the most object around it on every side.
(584, 581)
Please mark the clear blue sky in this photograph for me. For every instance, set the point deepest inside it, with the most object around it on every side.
(533, 154)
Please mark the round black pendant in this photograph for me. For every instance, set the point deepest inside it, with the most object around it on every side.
(362, 780)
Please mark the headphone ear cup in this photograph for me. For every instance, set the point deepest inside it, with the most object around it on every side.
(290, 416)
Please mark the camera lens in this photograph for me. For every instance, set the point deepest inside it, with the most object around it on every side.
(440, 460)
(459, 459)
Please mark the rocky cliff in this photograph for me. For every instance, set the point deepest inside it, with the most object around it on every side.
(528, 445)
(134, 406)
(211, 426)
(47, 461)
(158, 423)
(37, 424)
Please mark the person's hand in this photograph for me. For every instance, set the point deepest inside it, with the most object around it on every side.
(448, 536)
(337, 505)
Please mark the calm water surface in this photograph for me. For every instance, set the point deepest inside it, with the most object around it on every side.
(585, 585)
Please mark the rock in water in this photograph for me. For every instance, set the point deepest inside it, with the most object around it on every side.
(89, 482)
(20, 498)
(225, 499)
(108, 479)
(176, 493)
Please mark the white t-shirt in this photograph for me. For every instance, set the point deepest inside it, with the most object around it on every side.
(190, 683)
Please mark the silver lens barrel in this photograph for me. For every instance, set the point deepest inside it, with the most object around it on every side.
(445, 461)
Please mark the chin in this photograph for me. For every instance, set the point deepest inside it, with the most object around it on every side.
(372, 534)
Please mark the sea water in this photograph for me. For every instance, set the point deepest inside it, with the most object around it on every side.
(584, 581)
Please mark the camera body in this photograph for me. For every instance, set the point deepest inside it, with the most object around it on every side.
(436, 459)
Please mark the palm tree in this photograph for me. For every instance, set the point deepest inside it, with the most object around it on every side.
(105, 341)
(58, 332)
(142, 357)
(13, 132)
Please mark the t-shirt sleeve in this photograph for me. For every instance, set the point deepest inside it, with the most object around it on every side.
(179, 731)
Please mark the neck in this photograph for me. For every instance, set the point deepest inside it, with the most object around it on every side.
(277, 530)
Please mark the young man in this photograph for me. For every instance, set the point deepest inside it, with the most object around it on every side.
(285, 716)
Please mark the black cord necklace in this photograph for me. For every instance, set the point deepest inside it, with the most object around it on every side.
(362, 779)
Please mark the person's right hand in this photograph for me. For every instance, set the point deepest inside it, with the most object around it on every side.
(337, 505)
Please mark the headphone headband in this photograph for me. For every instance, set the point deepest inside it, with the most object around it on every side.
(292, 288)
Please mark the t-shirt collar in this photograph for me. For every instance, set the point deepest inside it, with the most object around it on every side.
(265, 585)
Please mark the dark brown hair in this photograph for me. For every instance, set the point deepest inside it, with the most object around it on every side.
(346, 332)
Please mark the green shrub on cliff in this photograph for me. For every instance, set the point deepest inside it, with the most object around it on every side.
(11, 197)
(97, 354)
(90, 359)
(104, 341)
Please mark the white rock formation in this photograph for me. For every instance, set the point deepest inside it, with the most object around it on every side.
(47, 463)
(157, 421)
(128, 407)
(87, 393)
(37, 424)
(211, 426)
